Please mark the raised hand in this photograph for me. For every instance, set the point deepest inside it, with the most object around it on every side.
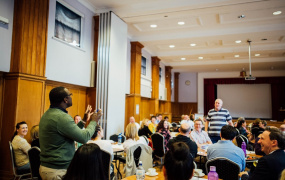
(88, 113)
(96, 115)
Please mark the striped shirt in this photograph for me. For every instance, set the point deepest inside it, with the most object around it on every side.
(217, 120)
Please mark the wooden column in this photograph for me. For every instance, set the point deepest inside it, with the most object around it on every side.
(154, 102)
(24, 85)
(168, 87)
(176, 86)
(133, 101)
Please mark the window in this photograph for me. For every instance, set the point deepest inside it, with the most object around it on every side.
(67, 25)
(160, 72)
(143, 66)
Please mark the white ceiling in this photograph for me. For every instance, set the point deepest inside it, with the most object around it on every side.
(213, 25)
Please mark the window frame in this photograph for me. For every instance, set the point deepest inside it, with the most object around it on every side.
(143, 66)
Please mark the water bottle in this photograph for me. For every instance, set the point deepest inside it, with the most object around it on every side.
(120, 139)
(213, 175)
(243, 147)
(140, 173)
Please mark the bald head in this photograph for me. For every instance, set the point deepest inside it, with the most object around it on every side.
(184, 129)
(218, 104)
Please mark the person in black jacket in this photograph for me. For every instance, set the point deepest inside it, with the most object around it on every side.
(144, 130)
(270, 166)
(184, 137)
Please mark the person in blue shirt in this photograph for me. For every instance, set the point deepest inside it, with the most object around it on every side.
(225, 147)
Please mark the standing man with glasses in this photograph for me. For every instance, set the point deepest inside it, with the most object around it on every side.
(58, 132)
(218, 117)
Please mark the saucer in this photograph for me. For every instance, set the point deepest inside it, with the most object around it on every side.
(199, 175)
(155, 174)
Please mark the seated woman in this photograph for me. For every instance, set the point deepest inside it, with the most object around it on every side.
(86, 164)
(152, 125)
(241, 126)
(21, 147)
(144, 130)
(35, 136)
(163, 129)
(178, 163)
(132, 137)
(103, 144)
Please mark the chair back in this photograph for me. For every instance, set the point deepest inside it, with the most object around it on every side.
(158, 144)
(226, 169)
(146, 140)
(174, 124)
(137, 154)
(34, 158)
(12, 158)
(241, 138)
(106, 160)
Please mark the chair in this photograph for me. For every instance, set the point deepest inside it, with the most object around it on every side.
(106, 161)
(226, 169)
(241, 138)
(146, 139)
(158, 146)
(137, 154)
(16, 175)
(34, 158)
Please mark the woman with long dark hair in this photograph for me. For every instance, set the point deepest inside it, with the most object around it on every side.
(163, 129)
(21, 147)
(86, 164)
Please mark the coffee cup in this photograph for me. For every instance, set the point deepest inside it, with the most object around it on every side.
(198, 172)
(151, 171)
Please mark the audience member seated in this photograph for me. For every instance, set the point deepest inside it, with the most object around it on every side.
(178, 163)
(184, 137)
(77, 119)
(225, 147)
(158, 118)
(282, 129)
(21, 147)
(132, 120)
(132, 137)
(35, 136)
(187, 120)
(241, 126)
(144, 130)
(103, 144)
(199, 136)
(86, 164)
(152, 125)
(270, 166)
(255, 129)
(163, 129)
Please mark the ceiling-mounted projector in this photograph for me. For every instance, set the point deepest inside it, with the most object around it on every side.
(249, 77)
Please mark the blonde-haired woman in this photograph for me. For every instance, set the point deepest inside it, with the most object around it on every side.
(132, 137)
(35, 136)
(144, 130)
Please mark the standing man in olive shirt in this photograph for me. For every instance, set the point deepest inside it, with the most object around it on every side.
(58, 132)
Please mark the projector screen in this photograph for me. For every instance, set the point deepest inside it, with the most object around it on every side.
(246, 100)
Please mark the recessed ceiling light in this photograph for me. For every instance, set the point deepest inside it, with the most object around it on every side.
(183, 59)
(257, 54)
(153, 26)
(171, 46)
(236, 55)
(181, 23)
(200, 57)
(241, 16)
(238, 41)
(192, 44)
(277, 12)
(217, 69)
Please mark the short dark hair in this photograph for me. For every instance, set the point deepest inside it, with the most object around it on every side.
(166, 117)
(152, 117)
(57, 95)
(228, 132)
(97, 128)
(178, 162)
(86, 164)
(276, 134)
(192, 117)
(264, 122)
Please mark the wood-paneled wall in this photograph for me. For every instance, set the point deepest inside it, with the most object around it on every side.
(179, 108)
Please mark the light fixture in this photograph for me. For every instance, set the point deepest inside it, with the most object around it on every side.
(200, 57)
(236, 55)
(257, 54)
(250, 77)
(238, 41)
(217, 69)
(193, 44)
(171, 46)
(181, 23)
(183, 59)
(277, 13)
(153, 26)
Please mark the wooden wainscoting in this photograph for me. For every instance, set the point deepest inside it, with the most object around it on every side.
(180, 108)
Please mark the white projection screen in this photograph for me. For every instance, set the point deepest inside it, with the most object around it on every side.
(246, 100)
